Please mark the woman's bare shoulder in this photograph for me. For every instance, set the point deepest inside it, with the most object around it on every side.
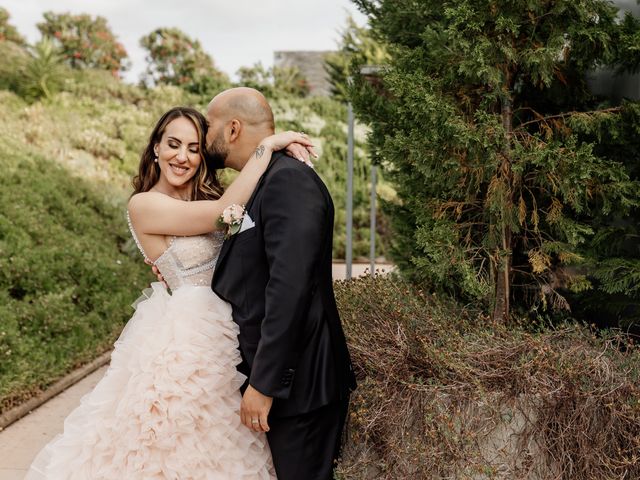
(145, 200)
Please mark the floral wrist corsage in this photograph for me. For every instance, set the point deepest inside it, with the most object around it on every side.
(231, 219)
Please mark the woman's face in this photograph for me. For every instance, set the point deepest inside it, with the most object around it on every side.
(178, 152)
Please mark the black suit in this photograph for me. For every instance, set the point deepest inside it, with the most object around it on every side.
(277, 277)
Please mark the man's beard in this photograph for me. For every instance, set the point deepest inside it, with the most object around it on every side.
(217, 152)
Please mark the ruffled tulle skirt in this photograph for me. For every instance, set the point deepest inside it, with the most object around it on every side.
(168, 405)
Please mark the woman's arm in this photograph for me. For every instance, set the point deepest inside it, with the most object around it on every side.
(154, 213)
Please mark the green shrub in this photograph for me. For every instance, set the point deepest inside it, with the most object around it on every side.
(15, 59)
(100, 85)
(66, 281)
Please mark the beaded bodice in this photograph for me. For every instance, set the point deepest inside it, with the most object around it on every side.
(187, 260)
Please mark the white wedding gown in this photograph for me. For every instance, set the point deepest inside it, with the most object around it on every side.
(168, 405)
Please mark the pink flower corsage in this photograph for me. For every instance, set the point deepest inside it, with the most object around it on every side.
(231, 219)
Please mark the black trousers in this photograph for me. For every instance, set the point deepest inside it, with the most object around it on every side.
(306, 446)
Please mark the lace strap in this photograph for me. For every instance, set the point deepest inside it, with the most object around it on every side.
(135, 238)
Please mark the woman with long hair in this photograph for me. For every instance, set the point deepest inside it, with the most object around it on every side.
(168, 406)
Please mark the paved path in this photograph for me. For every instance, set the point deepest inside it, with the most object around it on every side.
(358, 269)
(20, 442)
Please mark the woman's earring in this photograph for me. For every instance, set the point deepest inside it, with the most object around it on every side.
(155, 159)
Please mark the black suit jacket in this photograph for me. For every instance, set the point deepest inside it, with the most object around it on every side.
(277, 277)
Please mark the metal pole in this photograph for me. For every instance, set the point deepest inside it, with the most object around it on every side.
(372, 242)
(349, 245)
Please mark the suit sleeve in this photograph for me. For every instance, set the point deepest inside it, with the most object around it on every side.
(293, 218)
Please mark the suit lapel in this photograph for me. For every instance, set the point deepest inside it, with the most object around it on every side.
(226, 246)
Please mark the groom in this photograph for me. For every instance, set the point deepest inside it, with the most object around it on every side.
(276, 274)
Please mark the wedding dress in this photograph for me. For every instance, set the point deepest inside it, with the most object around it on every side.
(168, 405)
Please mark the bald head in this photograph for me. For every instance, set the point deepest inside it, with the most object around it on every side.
(239, 119)
(245, 104)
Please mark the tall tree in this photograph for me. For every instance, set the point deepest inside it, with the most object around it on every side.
(173, 58)
(13, 53)
(8, 32)
(479, 117)
(357, 47)
(85, 41)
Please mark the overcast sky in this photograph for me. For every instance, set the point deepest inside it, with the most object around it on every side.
(234, 32)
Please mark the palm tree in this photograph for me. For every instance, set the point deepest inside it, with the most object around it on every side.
(44, 71)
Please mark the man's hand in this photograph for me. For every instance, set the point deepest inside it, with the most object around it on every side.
(157, 273)
(254, 410)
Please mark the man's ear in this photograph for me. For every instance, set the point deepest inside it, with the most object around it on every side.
(235, 127)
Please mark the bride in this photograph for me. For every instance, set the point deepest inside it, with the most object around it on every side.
(168, 405)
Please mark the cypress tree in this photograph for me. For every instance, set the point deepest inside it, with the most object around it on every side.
(486, 125)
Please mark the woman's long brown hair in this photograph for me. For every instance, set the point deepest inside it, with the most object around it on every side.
(206, 185)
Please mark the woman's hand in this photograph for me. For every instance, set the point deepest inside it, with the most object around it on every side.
(297, 145)
(301, 153)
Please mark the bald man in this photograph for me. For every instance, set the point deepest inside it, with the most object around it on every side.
(276, 274)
